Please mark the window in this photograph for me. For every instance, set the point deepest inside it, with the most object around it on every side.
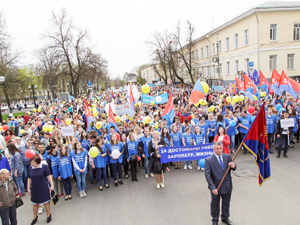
(193, 56)
(227, 44)
(207, 70)
(220, 69)
(236, 66)
(273, 32)
(202, 71)
(213, 48)
(236, 40)
(291, 61)
(273, 62)
(246, 65)
(227, 68)
(207, 52)
(219, 46)
(247, 37)
(201, 53)
(197, 55)
(213, 70)
(297, 32)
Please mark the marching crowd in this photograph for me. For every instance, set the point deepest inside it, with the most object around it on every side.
(40, 157)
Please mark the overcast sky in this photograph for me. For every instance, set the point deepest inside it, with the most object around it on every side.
(118, 29)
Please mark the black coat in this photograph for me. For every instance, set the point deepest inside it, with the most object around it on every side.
(153, 155)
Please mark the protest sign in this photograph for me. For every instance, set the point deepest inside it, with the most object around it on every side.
(148, 99)
(286, 123)
(185, 153)
(122, 109)
(67, 131)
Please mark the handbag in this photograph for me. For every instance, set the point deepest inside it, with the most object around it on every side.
(157, 167)
(54, 198)
(133, 158)
(19, 202)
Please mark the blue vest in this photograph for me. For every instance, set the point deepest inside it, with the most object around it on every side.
(132, 148)
(271, 123)
(54, 165)
(64, 166)
(146, 142)
(100, 162)
(211, 125)
(176, 139)
(79, 159)
(187, 139)
(199, 138)
(118, 147)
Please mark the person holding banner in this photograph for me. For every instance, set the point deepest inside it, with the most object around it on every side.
(282, 135)
(215, 167)
(187, 140)
(199, 139)
(155, 163)
(175, 141)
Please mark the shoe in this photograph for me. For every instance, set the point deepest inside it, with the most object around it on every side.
(146, 176)
(132, 179)
(202, 168)
(80, 194)
(22, 195)
(285, 156)
(91, 184)
(101, 188)
(40, 210)
(49, 219)
(70, 197)
(126, 176)
(157, 185)
(66, 198)
(293, 142)
(245, 153)
(278, 156)
(84, 194)
(62, 195)
(185, 167)
(136, 179)
(34, 221)
(106, 185)
(25, 190)
(215, 222)
(116, 184)
(271, 152)
(228, 222)
(190, 167)
(151, 174)
(120, 182)
(198, 168)
(162, 185)
(232, 151)
(291, 146)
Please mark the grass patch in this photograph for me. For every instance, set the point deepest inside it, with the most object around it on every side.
(4, 117)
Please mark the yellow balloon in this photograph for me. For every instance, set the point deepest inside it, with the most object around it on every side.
(95, 113)
(139, 103)
(205, 87)
(50, 128)
(39, 110)
(228, 99)
(118, 119)
(156, 126)
(98, 125)
(255, 98)
(221, 96)
(236, 99)
(147, 120)
(146, 89)
(241, 97)
(212, 108)
(34, 109)
(196, 104)
(45, 128)
(1, 128)
(152, 103)
(28, 113)
(22, 131)
(204, 102)
(135, 104)
(201, 101)
(68, 121)
(94, 152)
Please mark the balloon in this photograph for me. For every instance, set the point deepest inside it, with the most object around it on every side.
(212, 108)
(118, 136)
(147, 120)
(270, 96)
(263, 94)
(152, 103)
(241, 97)
(278, 106)
(34, 109)
(45, 128)
(39, 110)
(5, 127)
(255, 98)
(221, 96)
(281, 110)
(98, 125)
(201, 101)
(236, 99)
(228, 99)
(158, 99)
(1, 128)
(271, 92)
(29, 153)
(95, 113)
(201, 163)
(50, 128)
(252, 118)
(118, 119)
(232, 123)
(68, 121)
(205, 87)
(94, 152)
(136, 104)
(251, 109)
(145, 89)
(115, 154)
(156, 126)
(139, 103)
(196, 104)
(22, 131)
(28, 113)
(204, 102)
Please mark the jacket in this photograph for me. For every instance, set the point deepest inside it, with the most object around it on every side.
(226, 143)
(8, 197)
(17, 164)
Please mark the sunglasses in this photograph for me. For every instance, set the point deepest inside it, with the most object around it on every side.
(51, 141)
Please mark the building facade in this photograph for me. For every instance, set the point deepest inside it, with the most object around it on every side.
(263, 38)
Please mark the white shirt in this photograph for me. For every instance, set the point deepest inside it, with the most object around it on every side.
(219, 158)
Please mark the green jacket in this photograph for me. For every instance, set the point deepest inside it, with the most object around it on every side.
(8, 197)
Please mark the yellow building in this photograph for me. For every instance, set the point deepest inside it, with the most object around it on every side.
(263, 38)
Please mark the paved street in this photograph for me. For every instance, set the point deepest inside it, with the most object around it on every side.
(186, 199)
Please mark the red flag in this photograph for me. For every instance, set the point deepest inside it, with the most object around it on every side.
(87, 110)
(263, 80)
(111, 117)
(240, 84)
(112, 93)
(295, 85)
(248, 83)
(275, 81)
(234, 86)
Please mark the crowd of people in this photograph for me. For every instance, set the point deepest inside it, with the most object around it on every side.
(59, 160)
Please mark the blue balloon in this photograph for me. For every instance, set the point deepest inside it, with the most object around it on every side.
(252, 119)
(281, 110)
(278, 106)
(201, 163)
(232, 123)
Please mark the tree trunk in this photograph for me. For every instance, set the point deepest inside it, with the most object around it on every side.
(6, 98)
(75, 89)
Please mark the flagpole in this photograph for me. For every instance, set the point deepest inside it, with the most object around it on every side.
(237, 152)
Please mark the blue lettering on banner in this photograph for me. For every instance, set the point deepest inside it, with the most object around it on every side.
(185, 153)
(148, 99)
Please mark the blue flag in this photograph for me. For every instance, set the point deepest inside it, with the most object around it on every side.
(169, 112)
(256, 78)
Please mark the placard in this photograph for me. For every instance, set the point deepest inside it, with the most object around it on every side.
(285, 123)
(67, 131)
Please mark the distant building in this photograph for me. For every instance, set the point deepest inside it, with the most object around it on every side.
(130, 78)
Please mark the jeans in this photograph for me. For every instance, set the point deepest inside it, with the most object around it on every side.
(58, 186)
(146, 164)
(9, 214)
(188, 163)
(25, 174)
(133, 168)
(291, 137)
(116, 167)
(91, 173)
(283, 140)
(19, 183)
(99, 173)
(232, 142)
(80, 181)
(67, 185)
(270, 140)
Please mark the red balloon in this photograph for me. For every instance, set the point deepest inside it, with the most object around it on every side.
(39, 123)
(271, 92)
(29, 153)
(5, 127)
(118, 136)
(251, 110)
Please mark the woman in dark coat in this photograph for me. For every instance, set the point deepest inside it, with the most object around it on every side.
(39, 178)
(153, 149)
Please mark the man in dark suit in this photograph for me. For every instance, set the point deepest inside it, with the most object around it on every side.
(215, 168)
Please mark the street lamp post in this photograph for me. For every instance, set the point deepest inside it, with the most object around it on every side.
(218, 58)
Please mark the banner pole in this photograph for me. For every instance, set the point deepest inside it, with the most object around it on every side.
(237, 152)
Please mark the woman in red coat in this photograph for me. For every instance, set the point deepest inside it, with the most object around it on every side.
(224, 138)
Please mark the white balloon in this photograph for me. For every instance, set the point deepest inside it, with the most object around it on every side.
(158, 99)
(115, 154)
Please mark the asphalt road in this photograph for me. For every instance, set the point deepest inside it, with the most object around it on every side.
(185, 200)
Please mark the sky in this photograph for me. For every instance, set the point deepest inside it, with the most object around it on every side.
(118, 29)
